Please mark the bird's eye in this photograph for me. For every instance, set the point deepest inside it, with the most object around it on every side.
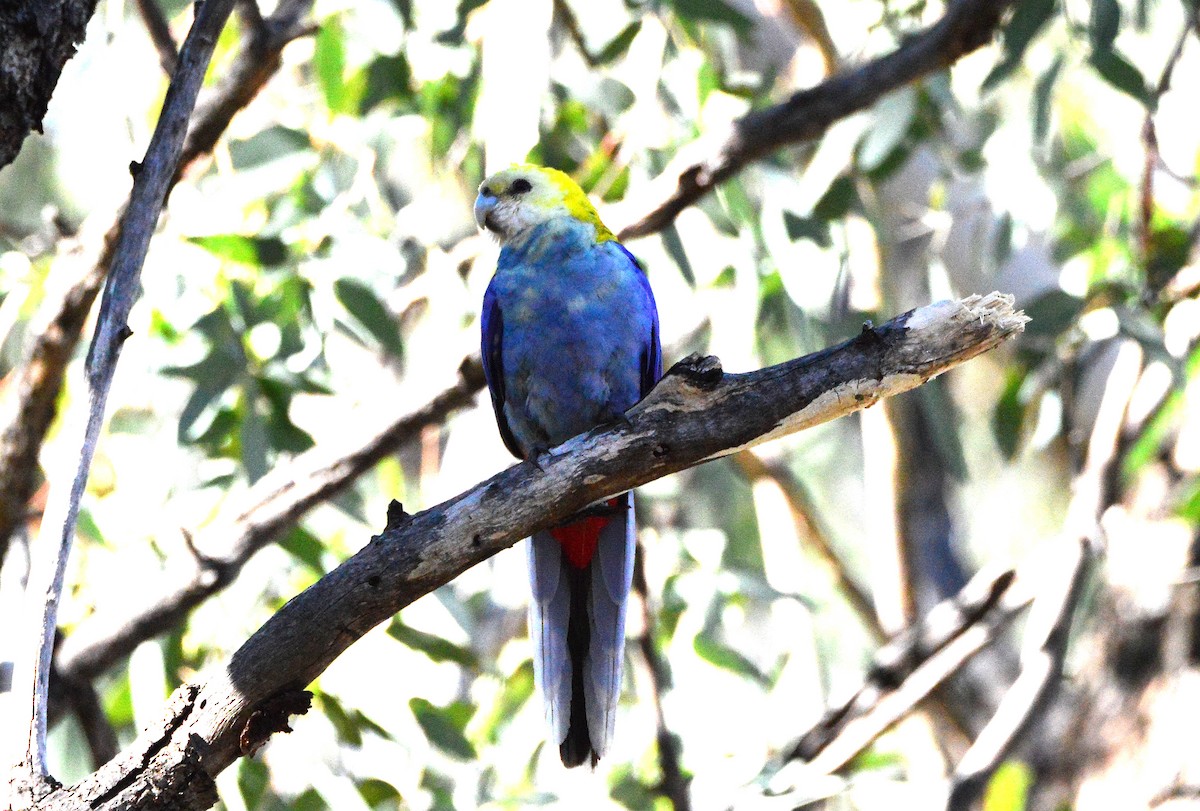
(520, 186)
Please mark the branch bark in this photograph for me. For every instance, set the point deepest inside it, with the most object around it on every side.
(36, 40)
(967, 25)
(696, 413)
(152, 181)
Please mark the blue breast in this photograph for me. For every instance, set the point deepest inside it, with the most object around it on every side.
(577, 319)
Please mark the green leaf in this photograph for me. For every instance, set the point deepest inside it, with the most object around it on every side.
(1104, 24)
(619, 44)
(454, 36)
(305, 547)
(676, 250)
(253, 781)
(252, 438)
(444, 726)
(813, 229)
(1052, 313)
(347, 730)
(1189, 506)
(269, 145)
(873, 760)
(118, 701)
(517, 689)
(1009, 415)
(837, 201)
(362, 303)
(1121, 74)
(245, 250)
(375, 792)
(213, 377)
(1027, 20)
(87, 527)
(727, 658)
(629, 791)
(329, 62)
(388, 78)
(1043, 96)
(1008, 790)
(713, 11)
(432, 645)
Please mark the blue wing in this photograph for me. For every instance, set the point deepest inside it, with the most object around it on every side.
(652, 349)
(492, 349)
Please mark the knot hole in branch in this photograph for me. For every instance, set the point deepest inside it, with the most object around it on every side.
(270, 717)
(698, 371)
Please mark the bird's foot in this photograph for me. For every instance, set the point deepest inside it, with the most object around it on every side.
(535, 456)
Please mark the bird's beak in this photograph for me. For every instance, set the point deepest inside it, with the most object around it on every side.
(484, 204)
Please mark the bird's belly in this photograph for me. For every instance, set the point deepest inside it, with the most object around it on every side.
(567, 379)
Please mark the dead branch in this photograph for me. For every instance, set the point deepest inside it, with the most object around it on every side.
(696, 413)
(1046, 647)
(982, 603)
(957, 629)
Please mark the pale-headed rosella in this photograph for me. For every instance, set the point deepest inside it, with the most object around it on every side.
(570, 342)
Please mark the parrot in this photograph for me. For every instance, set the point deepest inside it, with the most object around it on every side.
(570, 341)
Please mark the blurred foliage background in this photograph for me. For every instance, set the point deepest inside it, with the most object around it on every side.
(321, 272)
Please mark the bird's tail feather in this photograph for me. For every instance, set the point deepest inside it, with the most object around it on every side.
(577, 621)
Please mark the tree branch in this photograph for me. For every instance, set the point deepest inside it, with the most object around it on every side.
(25, 416)
(984, 603)
(152, 181)
(696, 413)
(967, 25)
(160, 34)
(274, 504)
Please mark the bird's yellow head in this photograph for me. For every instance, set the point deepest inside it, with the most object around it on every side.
(514, 200)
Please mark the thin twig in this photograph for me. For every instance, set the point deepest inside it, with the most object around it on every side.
(152, 179)
(1153, 158)
(1041, 672)
(674, 783)
(967, 25)
(874, 710)
(26, 414)
(275, 503)
(160, 35)
(985, 601)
